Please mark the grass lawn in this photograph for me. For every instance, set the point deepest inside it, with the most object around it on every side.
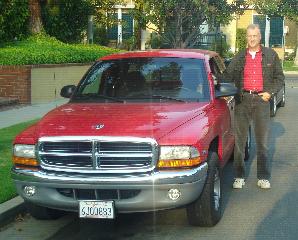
(289, 66)
(7, 188)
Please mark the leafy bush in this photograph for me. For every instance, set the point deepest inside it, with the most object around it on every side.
(100, 35)
(66, 19)
(241, 39)
(14, 17)
(221, 46)
(40, 49)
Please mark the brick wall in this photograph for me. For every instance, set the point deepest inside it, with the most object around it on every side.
(15, 82)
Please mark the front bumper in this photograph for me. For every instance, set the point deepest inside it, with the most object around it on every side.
(152, 188)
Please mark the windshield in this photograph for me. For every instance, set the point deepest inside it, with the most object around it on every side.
(145, 79)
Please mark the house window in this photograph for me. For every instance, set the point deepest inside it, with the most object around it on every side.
(127, 26)
(124, 28)
(276, 31)
(261, 21)
(113, 30)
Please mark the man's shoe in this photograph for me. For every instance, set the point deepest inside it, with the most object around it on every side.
(238, 183)
(264, 183)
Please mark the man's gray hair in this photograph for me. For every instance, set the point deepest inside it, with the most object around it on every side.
(253, 26)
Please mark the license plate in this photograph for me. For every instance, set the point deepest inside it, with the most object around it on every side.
(97, 209)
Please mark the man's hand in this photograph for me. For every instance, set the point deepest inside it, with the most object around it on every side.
(265, 96)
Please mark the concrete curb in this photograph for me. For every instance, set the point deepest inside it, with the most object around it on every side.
(10, 209)
(291, 72)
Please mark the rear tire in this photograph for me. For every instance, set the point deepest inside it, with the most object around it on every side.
(248, 145)
(43, 213)
(282, 103)
(273, 106)
(206, 211)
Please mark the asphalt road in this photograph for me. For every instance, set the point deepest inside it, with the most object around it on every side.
(250, 213)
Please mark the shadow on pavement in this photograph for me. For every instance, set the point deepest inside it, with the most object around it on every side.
(281, 223)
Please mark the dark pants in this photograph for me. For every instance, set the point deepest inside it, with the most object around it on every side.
(254, 111)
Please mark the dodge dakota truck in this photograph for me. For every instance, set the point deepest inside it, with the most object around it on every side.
(142, 131)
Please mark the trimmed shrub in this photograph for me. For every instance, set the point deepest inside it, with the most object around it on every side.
(241, 39)
(40, 49)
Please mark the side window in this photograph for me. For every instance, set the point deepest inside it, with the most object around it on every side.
(92, 84)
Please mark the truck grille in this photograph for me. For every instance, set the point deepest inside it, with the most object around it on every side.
(98, 194)
(100, 154)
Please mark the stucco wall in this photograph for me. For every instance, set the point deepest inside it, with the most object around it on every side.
(47, 80)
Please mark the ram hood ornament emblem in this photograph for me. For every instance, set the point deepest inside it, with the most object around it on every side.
(98, 126)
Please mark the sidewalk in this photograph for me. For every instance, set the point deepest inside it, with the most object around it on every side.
(18, 114)
(26, 113)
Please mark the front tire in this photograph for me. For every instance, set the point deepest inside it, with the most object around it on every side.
(43, 213)
(206, 211)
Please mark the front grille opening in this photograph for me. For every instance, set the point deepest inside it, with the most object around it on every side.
(98, 194)
(96, 155)
(127, 194)
(68, 161)
(85, 194)
(124, 147)
(66, 147)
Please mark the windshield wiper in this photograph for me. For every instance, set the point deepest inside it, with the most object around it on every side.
(158, 97)
(90, 96)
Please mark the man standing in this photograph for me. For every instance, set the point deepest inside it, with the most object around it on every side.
(257, 73)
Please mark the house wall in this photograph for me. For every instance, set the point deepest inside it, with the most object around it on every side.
(291, 37)
(230, 32)
(245, 19)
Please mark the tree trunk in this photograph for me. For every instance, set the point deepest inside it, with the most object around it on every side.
(35, 24)
(296, 58)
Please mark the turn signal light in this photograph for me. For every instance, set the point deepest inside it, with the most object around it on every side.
(25, 161)
(179, 163)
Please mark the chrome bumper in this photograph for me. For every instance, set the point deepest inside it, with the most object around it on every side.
(153, 186)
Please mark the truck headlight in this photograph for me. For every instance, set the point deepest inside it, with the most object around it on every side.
(24, 155)
(178, 156)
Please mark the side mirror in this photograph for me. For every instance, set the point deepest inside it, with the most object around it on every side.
(67, 91)
(225, 90)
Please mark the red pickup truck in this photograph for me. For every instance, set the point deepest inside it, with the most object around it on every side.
(142, 131)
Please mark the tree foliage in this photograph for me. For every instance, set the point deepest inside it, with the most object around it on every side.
(13, 19)
(285, 8)
(66, 19)
(178, 22)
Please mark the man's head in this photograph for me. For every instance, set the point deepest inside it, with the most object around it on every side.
(253, 37)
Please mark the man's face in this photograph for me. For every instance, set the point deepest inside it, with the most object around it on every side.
(253, 37)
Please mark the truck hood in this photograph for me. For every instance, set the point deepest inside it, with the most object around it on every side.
(125, 119)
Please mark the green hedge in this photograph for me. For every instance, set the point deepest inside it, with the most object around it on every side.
(241, 39)
(42, 49)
